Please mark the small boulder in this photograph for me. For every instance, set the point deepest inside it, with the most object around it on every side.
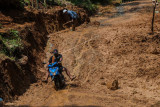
(112, 84)
(23, 60)
(103, 83)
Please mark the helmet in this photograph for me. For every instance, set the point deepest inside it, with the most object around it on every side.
(65, 10)
(55, 52)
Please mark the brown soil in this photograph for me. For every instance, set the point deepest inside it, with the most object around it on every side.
(120, 48)
(33, 26)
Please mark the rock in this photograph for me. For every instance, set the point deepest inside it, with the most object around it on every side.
(96, 23)
(23, 60)
(103, 83)
(112, 84)
(102, 78)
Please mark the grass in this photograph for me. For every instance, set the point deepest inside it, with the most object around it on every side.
(86, 4)
(92, 5)
(10, 42)
(1, 26)
(3, 56)
(59, 3)
(13, 40)
(27, 1)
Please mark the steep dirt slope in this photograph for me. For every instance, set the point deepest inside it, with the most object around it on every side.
(33, 27)
(120, 48)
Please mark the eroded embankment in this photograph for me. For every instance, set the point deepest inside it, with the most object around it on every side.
(123, 50)
(17, 75)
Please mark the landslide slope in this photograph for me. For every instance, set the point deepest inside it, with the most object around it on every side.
(19, 64)
(120, 48)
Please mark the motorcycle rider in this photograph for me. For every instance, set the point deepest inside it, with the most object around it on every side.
(58, 58)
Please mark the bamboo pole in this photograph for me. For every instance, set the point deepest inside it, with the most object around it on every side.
(32, 4)
(37, 4)
(154, 8)
(45, 4)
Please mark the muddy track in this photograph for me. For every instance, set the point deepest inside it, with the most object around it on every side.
(120, 48)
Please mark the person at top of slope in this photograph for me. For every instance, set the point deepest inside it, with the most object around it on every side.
(73, 16)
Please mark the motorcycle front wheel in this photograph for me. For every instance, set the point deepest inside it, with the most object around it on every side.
(57, 82)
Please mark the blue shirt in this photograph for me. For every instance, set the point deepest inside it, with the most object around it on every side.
(1, 99)
(73, 14)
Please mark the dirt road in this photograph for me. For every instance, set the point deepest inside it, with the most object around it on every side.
(120, 48)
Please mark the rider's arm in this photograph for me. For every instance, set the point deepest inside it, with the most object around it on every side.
(50, 60)
(61, 58)
(47, 76)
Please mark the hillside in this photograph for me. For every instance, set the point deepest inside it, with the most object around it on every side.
(115, 45)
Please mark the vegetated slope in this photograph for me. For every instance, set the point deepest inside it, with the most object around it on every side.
(120, 48)
(19, 67)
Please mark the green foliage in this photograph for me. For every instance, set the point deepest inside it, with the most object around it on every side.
(22, 4)
(14, 40)
(10, 42)
(1, 26)
(14, 33)
(50, 2)
(90, 5)
(87, 4)
(26, 1)
(59, 3)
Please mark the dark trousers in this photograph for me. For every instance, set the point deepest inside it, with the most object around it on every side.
(73, 24)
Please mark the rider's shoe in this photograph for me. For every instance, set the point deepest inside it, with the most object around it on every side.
(73, 77)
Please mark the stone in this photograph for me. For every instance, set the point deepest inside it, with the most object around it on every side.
(112, 84)
(23, 60)
(103, 83)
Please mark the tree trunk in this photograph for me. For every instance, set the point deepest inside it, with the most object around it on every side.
(37, 4)
(45, 4)
(32, 4)
(154, 8)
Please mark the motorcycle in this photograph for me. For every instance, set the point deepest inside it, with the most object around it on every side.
(56, 75)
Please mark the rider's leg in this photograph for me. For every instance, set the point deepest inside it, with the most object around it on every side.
(73, 24)
(68, 73)
(65, 69)
(47, 75)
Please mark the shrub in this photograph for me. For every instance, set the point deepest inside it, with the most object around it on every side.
(86, 4)
(1, 26)
(10, 43)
